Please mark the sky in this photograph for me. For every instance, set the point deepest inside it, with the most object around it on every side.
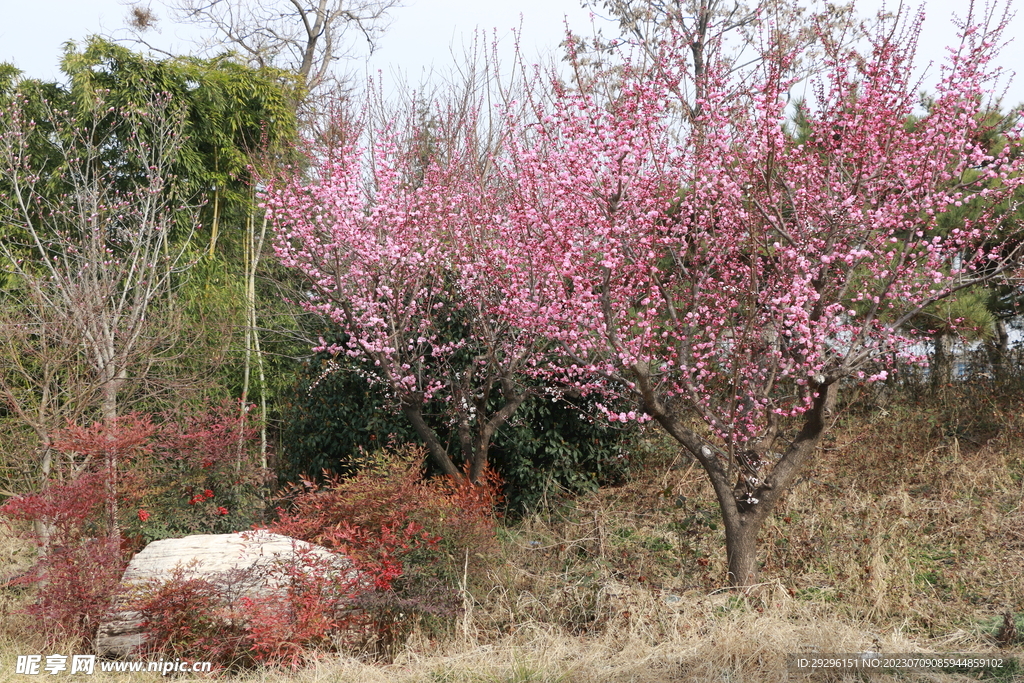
(424, 34)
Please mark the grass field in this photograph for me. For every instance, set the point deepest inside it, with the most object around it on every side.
(906, 537)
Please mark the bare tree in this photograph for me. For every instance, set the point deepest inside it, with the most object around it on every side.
(87, 210)
(690, 34)
(43, 385)
(305, 38)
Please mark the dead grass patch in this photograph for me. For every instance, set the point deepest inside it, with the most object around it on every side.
(906, 536)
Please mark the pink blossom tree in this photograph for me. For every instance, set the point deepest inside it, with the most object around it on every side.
(393, 239)
(731, 275)
(727, 273)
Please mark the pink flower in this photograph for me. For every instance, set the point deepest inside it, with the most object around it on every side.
(143, 515)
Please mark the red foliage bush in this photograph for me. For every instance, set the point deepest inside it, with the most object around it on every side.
(412, 534)
(403, 535)
(388, 494)
(75, 525)
(192, 618)
(136, 478)
(127, 436)
(200, 476)
(80, 566)
(400, 533)
(306, 606)
(316, 614)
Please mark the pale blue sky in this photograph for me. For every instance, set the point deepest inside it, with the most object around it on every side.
(423, 33)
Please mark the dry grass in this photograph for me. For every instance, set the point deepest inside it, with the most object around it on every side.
(16, 558)
(907, 536)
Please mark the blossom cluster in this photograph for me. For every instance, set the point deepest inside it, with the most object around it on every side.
(730, 265)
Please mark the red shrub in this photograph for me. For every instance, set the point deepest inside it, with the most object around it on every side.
(401, 534)
(312, 605)
(412, 534)
(200, 476)
(315, 615)
(389, 494)
(136, 480)
(192, 618)
(79, 569)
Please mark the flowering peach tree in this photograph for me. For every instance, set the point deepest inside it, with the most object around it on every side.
(731, 273)
(393, 239)
(725, 269)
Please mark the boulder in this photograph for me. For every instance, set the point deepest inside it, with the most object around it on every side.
(246, 561)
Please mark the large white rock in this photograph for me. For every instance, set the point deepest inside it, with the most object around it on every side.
(246, 559)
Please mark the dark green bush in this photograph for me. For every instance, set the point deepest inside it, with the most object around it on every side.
(546, 448)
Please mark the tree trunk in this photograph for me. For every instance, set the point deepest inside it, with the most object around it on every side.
(252, 254)
(475, 447)
(489, 427)
(998, 349)
(941, 368)
(743, 515)
(43, 527)
(215, 229)
(250, 304)
(108, 398)
(741, 549)
(414, 414)
(108, 402)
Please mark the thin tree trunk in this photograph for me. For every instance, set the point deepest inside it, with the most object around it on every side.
(257, 253)
(998, 349)
(215, 229)
(414, 413)
(941, 369)
(108, 403)
(253, 250)
(247, 363)
(44, 527)
(263, 397)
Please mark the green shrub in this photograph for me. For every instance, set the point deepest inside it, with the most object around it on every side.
(337, 413)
